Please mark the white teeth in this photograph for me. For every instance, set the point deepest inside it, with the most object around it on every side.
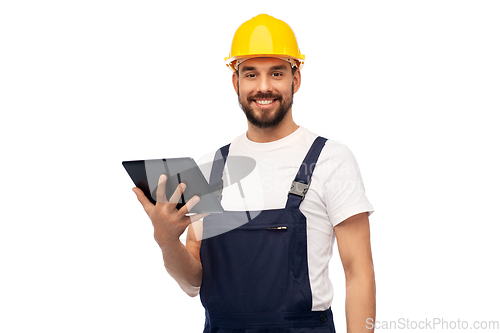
(265, 102)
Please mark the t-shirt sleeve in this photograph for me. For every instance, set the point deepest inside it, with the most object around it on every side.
(345, 193)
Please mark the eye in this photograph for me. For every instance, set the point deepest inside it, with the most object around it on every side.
(276, 74)
(250, 75)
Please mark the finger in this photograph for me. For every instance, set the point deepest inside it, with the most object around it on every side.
(146, 204)
(160, 190)
(177, 194)
(189, 205)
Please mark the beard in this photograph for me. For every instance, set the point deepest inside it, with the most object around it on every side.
(268, 118)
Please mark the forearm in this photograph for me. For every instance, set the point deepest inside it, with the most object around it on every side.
(360, 302)
(183, 267)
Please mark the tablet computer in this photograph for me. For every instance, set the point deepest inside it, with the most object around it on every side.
(145, 175)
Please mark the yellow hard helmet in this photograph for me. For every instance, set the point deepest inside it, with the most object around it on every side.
(264, 36)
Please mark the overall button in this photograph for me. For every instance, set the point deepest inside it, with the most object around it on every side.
(323, 317)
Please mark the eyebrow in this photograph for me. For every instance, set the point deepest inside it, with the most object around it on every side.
(274, 68)
(247, 69)
(278, 67)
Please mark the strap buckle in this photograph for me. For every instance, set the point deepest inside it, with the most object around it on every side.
(299, 189)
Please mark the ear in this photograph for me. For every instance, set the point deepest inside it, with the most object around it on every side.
(235, 82)
(296, 81)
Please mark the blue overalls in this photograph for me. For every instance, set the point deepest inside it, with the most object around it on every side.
(255, 277)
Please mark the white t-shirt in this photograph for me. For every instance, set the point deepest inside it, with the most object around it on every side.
(336, 193)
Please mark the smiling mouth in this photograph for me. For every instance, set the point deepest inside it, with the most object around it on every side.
(265, 102)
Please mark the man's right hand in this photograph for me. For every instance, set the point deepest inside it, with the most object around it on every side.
(169, 222)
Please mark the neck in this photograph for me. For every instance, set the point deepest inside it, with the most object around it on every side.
(263, 135)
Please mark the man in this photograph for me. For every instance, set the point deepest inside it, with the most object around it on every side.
(271, 273)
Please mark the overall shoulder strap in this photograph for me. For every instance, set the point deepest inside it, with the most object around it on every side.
(300, 185)
(216, 183)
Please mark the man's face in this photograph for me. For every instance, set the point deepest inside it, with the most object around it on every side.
(265, 88)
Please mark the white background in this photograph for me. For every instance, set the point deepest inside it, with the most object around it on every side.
(412, 87)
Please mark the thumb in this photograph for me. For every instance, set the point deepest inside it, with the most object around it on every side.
(146, 204)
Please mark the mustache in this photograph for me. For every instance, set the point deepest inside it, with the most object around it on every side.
(259, 95)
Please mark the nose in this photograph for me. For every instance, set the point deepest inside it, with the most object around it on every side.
(264, 84)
